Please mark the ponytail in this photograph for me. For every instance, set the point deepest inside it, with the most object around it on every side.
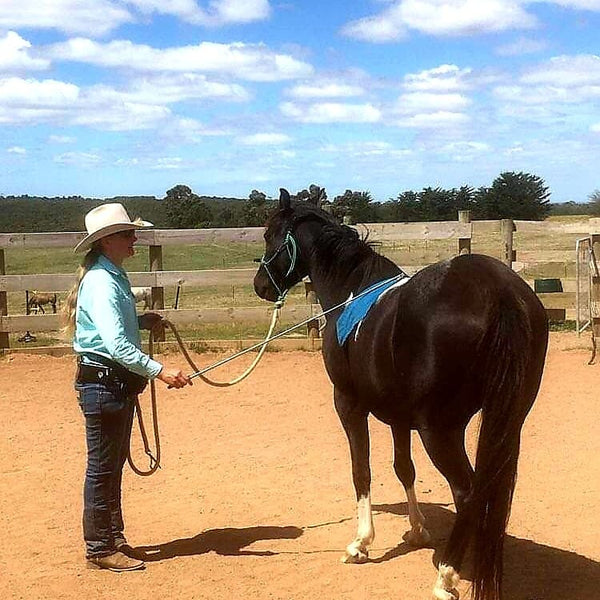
(70, 309)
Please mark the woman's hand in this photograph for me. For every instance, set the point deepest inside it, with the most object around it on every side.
(174, 378)
(150, 321)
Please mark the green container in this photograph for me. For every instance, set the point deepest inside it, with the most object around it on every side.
(546, 286)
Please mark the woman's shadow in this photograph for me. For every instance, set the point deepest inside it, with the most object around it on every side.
(532, 571)
(229, 541)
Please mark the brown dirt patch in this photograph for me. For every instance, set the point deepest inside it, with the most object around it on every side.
(255, 499)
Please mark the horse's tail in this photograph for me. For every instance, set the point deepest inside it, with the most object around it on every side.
(511, 351)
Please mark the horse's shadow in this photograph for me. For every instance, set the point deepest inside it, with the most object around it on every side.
(532, 571)
(228, 541)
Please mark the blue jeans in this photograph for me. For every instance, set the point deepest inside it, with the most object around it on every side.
(108, 415)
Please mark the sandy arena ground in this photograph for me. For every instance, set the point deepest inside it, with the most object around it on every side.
(254, 499)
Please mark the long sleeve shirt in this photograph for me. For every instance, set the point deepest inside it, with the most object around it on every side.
(106, 322)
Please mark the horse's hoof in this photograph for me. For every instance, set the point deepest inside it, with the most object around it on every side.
(417, 538)
(446, 584)
(355, 556)
(439, 594)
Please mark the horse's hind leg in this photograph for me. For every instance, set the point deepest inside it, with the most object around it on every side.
(355, 425)
(446, 448)
(405, 471)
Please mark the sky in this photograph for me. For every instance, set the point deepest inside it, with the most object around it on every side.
(102, 98)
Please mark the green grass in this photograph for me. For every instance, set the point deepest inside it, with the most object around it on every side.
(567, 325)
(175, 258)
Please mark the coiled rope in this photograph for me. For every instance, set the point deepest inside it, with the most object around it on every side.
(154, 459)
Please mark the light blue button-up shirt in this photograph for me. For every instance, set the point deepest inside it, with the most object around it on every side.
(106, 322)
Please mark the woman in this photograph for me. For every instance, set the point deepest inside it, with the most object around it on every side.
(112, 370)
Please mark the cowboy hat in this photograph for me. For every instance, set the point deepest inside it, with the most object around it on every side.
(107, 219)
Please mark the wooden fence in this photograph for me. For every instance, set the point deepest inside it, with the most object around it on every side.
(461, 232)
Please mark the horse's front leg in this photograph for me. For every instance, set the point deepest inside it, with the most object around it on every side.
(355, 425)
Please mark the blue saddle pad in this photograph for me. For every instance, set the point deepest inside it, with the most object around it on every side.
(357, 309)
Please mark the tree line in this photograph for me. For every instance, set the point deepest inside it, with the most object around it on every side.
(511, 195)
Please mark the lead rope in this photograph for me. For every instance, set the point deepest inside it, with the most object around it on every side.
(274, 319)
(155, 460)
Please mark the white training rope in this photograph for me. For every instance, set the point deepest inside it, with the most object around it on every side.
(155, 460)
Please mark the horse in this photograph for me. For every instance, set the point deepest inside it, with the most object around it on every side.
(143, 294)
(460, 336)
(37, 301)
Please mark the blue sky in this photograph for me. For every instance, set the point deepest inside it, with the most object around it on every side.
(131, 97)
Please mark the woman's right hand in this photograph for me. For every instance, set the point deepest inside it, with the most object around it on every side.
(174, 378)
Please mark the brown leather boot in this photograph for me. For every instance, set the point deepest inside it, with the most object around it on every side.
(117, 561)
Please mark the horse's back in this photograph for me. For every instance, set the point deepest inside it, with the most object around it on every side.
(423, 347)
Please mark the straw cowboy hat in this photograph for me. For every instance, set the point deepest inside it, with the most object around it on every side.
(107, 219)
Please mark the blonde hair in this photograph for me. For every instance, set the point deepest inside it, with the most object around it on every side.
(70, 308)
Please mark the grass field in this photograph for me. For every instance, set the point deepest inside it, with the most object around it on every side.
(542, 255)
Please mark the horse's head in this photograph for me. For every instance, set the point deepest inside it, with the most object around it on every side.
(282, 265)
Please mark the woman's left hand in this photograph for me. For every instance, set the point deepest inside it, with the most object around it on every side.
(149, 321)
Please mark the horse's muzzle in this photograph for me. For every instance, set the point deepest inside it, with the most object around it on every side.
(264, 288)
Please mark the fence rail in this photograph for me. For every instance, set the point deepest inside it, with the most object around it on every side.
(462, 232)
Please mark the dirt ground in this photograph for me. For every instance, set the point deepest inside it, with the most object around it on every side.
(254, 499)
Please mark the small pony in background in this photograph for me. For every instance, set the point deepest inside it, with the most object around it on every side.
(37, 300)
(460, 336)
(143, 294)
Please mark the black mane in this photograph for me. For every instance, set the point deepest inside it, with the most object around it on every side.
(339, 250)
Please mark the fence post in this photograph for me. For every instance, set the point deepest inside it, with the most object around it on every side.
(464, 244)
(3, 303)
(508, 227)
(158, 293)
(595, 287)
(311, 298)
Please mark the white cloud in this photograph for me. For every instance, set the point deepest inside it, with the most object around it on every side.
(366, 149)
(95, 17)
(253, 62)
(438, 119)
(465, 151)
(430, 102)
(434, 98)
(98, 17)
(568, 80)
(567, 71)
(178, 87)
(61, 139)
(17, 150)
(331, 112)
(387, 26)
(218, 12)
(15, 54)
(445, 78)
(79, 159)
(30, 100)
(180, 130)
(320, 89)
(124, 116)
(595, 128)
(265, 139)
(440, 17)
(168, 163)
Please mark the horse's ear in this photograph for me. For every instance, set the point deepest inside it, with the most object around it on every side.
(284, 199)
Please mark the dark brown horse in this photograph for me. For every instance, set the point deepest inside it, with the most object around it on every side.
(462, 335)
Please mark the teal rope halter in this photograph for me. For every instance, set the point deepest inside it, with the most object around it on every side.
(291, 247)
